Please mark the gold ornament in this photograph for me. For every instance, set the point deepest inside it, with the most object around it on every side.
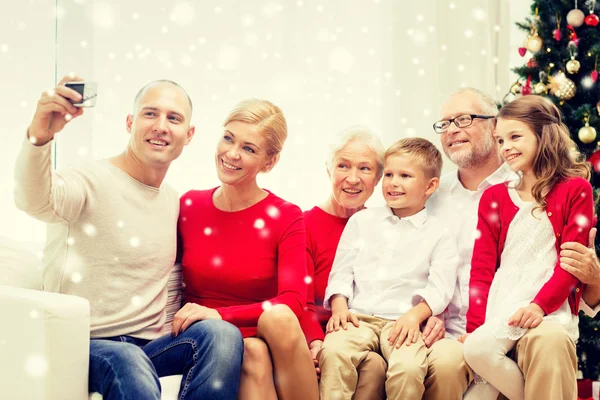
(534, 43)
(598, 107)
(573, 66)
(516, 88)
(561, 86)
(540, 88)
(575, 17)
(587, 134)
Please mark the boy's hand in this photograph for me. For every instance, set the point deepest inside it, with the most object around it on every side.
(463, 338)
(405, 331)
(341, 318)
(527, 317)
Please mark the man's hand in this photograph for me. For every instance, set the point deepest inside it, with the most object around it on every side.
(190, 313)
(341, 317)
(527, 317)
(314, 347)
(405, 331)
(54, 111)
(434, 330)
(581, 261)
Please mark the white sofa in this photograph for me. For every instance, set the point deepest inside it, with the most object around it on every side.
(44, 340)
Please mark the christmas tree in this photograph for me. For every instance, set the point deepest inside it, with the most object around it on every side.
(562, 48)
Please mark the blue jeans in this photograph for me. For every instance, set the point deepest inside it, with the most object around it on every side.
(208, 354)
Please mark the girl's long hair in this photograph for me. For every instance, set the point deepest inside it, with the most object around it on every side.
(557, 157)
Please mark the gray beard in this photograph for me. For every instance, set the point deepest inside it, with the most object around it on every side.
(472, 158)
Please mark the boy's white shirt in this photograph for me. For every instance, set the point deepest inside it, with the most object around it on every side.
(385, 265)
(457, 208)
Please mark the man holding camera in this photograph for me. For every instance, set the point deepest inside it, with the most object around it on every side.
(111, 238)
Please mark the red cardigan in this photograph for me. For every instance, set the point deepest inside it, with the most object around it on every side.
(236, 262)
(570, 208)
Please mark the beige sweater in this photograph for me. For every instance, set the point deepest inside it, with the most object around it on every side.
(110, 239)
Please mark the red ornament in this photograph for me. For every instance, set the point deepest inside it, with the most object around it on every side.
(594, 76)
(594, 159)
(522, 51)
(532, 63)
(591, 20)
(557, 34)
(526, 89)
(572, 34)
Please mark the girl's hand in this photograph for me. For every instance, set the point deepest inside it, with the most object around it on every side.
(463, 338)
(527, 317)
(190, 313)
(405, 331)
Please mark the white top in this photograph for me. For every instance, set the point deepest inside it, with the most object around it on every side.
(110, 239)
(527, 263)
(456, 207)
(385, 265)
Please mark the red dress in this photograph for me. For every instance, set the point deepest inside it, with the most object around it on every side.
(241, 262)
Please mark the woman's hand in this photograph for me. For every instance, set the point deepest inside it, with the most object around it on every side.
(314, 347)
(190, 313)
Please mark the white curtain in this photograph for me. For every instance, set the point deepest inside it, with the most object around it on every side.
(386, 64)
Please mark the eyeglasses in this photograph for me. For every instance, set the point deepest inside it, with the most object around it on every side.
(462, 121)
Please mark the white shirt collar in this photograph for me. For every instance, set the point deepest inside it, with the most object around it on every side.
(417, 219)
(502, 174)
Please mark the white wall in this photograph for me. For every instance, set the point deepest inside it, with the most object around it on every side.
(26, 69)
(328, 64)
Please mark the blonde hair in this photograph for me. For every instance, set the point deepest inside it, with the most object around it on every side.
(358, 134)
(423, 151)
(556, 158)
(268, 118)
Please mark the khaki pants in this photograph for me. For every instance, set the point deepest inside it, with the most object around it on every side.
(344, 350)
(547, 357)
(371, 378)
(449, 375)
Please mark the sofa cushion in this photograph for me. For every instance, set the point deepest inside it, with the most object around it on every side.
(20, 263)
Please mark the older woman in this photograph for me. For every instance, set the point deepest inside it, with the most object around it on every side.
(243, 258)
(354, 166)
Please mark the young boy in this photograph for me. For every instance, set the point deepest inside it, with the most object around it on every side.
(394, 267)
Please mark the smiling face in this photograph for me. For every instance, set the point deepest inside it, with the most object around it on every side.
(160, 126)
(242, 154)
(517, 143)
(353, 175)
(405, 185)
(470, 146)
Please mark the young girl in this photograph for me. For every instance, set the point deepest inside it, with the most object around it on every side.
(516, 280)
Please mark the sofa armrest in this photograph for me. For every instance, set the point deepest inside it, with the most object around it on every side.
(44, 345)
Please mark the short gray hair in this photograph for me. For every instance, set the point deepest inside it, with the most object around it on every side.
(487, 104)
(360, 134)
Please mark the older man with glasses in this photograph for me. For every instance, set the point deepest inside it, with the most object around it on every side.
(466, 132)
